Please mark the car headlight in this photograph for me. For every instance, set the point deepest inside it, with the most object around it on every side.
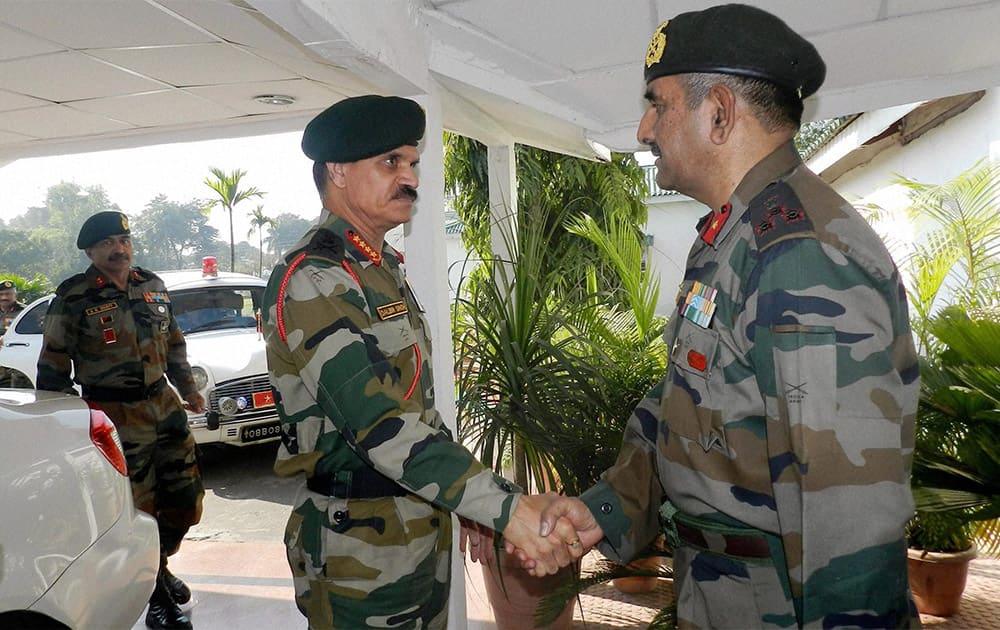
(200, 377)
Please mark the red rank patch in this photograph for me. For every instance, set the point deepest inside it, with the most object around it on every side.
(109, 335)
(715, 224)
(697, 360)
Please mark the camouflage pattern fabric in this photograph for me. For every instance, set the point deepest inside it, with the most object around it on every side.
(6, 317)
(354, 391)
(789, 409)
(162, 468)
(101, 334)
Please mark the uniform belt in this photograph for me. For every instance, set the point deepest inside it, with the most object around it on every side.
(124, 394)
(748, 545)
(364, 484)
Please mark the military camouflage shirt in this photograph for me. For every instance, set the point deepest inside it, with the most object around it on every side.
(110, 338)
(6, 317)
(790, 397)
(349, 360)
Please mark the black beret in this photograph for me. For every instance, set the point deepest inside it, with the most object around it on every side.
(736, 39)
(361, 127)
(7, 285)
(100, 226)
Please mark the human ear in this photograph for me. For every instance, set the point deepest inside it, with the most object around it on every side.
(722, 109)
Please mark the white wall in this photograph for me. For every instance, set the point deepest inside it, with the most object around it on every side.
(935, 157)
(671, 222)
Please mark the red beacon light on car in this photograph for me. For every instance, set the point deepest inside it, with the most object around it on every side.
(209, 267)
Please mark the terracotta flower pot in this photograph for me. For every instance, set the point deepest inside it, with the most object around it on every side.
(639, 584)
(515, 600)
(937, 580)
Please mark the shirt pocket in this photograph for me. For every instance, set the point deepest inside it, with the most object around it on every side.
(691, 406)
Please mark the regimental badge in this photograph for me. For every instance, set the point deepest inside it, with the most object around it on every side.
(391, 310)
(103, 308)
(656, 46)
(124, 223)
(164, 326)
(699, 305)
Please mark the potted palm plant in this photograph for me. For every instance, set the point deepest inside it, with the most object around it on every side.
(956, 472)
(548, 370)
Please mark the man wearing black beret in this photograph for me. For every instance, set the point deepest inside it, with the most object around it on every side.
(9, 306)
(370, 535)
(9, 309)
(112, 329)
(777, 449)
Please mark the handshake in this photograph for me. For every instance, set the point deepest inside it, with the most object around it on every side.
(545, 532)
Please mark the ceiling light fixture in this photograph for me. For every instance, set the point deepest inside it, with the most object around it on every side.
(274, 99)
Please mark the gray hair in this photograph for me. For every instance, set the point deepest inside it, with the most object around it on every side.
(774, 107)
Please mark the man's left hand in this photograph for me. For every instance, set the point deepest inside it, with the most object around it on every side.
(194, 402)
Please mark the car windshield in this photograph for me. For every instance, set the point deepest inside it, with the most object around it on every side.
(216, 308)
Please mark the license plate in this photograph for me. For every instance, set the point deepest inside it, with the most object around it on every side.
(260, 432)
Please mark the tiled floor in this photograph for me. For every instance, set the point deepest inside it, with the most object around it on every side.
(247, 586)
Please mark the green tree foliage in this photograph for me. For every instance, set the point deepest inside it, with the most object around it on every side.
(286, 231)
(227, 187)
(957, 259)
(259, 221)
(547, 180)
(173, 235)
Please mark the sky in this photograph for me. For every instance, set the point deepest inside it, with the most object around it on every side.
(132, 177)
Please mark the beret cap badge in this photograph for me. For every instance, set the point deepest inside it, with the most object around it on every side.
(656, 45)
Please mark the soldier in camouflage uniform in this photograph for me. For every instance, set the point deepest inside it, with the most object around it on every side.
(779, 443)
(9, 310)
(370, 535)
(112, 327)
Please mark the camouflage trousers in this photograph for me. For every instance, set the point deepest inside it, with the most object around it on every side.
(162, 466)
(370, 563)
(715, 590)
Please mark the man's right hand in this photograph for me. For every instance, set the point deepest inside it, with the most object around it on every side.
(548, 553)
(562, 513)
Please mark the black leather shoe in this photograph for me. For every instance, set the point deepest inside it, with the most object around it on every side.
(166, 616)
(179, 591)
(163, 612)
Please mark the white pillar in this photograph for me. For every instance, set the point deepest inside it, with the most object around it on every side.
(501, 172)
(427, 269)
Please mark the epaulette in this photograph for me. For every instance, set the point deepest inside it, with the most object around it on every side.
(141, 274)
(68, 283)
(776, 214)
(323, 244)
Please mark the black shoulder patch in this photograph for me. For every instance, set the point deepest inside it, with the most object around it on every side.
(68, 283)
(323, 244)
(776, 213)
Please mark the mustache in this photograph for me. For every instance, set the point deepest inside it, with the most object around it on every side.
(118, 256)
(655, 150)
(406, 192)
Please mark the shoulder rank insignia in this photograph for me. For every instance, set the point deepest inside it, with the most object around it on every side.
(777, 213)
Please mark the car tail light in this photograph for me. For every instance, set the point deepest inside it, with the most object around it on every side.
(104, 435)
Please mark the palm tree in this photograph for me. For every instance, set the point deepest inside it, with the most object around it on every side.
(961, 251)
(227, 186)
(258, 220)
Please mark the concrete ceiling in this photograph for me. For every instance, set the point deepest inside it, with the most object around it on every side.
(83, 75)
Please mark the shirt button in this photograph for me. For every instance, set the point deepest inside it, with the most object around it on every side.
(339, 516)
(606, 508)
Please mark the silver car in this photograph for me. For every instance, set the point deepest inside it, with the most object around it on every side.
(74, 551)
(218, 316)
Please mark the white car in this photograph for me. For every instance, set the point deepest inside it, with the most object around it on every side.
(217, 314)
(74, 551)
